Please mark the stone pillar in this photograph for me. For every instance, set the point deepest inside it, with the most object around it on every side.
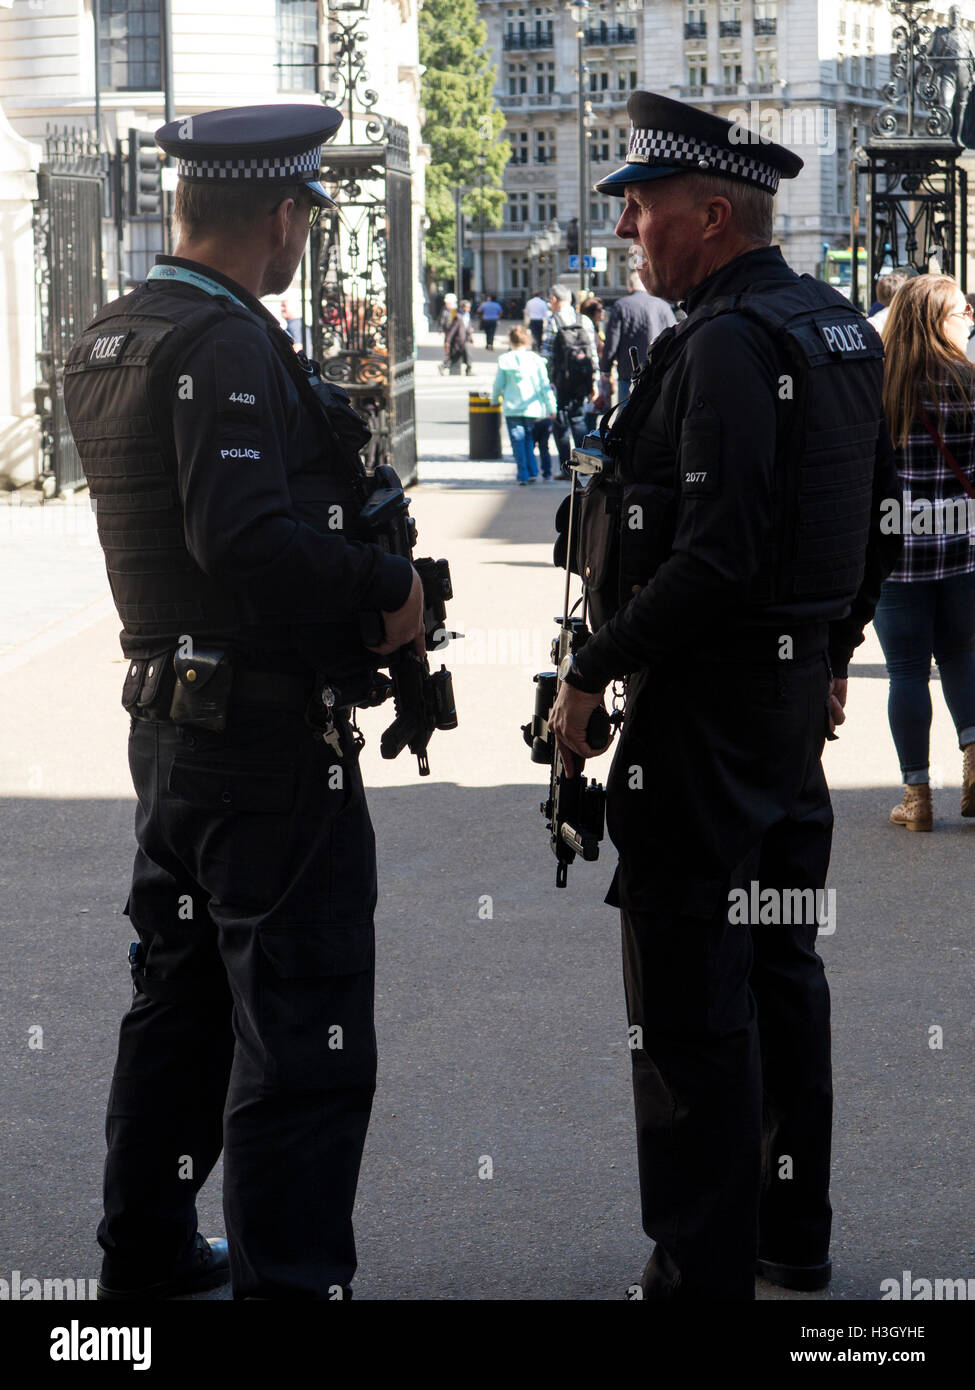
(19, 425)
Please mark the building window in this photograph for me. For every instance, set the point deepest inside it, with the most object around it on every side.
(598, 79)
(766, 65)
(622, 143)
(516, 209)
(545, 207)
(517, 79)
(870, 72)
(297, 31)
(695, 19)
(519, 272)
(729, 18)
(129, 52)
(626, 78)
(599, 146)
(697, 70)
(600, 210)
(544, 79)
(518, 140)
(765, 16)
(731, 68)
(544, 147)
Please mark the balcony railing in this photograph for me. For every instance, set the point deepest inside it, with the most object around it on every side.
(696, 29)
(509, 101)
(725, 89)
(692, 91)
(543, 99)
(761, 88)
(729, 28)
(610, 33)
(543, 38)
(765, 26)
(607, 97)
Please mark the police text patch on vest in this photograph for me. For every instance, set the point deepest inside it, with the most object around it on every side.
(844, 337)
(107, 348)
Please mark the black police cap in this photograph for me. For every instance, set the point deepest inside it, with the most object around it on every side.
(279, 143)
(670, 137)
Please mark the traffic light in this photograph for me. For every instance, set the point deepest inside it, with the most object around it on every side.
(145, 175)
(572, 237)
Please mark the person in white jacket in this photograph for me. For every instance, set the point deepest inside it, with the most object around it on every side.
(522, 385)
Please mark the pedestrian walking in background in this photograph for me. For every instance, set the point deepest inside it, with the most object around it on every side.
(593, 309)
(536, 312)
(927, 603)
(569, 347)
(887, 287)
(634, 322)
(490, 312)
(457, 340)
(447, 315)
(522, 386)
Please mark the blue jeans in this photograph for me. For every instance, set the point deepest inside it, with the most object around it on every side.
(570, 428)
(522, 445)
(541, 431)
(915, 621)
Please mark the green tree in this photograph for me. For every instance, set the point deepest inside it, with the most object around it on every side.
(461, 122)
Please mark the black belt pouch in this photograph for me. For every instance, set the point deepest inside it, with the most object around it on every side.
(202, 689)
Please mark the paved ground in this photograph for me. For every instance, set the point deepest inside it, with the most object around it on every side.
(502, 1037)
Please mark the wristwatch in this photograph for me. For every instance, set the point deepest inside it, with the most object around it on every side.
(570, 674)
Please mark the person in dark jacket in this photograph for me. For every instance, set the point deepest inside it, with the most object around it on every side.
(228, 485)
(457, 340)
(634, 322)
(730, 604)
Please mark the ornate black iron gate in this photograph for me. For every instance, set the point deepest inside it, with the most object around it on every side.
(916, 194)
(362, 289)
(68, 262)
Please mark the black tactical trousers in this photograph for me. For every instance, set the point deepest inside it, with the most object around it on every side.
(251, 1027)
(730, 1038)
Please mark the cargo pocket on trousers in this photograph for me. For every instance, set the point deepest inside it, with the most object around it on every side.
(315, 1007)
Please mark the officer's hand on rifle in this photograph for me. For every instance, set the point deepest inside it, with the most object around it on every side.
(568, 721)
(405, 625)
(837, 701)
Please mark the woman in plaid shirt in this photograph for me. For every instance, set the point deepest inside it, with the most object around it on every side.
(927, 604)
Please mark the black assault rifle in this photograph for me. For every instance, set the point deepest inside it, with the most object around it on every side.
(575, 809)
(423, 700)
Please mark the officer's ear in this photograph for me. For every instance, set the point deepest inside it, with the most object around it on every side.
(281, 218)
(717, 212)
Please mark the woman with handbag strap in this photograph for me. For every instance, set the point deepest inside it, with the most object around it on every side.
(927, 604)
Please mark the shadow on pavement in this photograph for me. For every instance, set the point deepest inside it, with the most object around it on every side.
(504, 1036)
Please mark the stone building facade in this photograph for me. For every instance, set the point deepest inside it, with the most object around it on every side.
(224, 53)
(807, 72)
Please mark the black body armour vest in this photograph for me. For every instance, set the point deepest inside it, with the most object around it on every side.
(115, 383)
(827, 426)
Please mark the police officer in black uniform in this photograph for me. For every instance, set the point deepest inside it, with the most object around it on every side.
(226, 481)
(734, 555)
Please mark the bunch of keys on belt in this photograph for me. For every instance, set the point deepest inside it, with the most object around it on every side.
(330, 733)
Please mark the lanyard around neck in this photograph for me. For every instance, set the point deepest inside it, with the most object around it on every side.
(193, 277)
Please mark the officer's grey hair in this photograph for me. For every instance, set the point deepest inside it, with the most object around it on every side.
(562, 293)
(751, 206)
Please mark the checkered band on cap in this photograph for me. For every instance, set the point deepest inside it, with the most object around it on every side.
(284, 167)
(666, 147)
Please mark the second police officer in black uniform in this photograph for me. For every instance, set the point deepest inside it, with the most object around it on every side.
(226, 481)
(733, 556)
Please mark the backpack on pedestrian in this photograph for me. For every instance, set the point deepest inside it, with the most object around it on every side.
(571, 368)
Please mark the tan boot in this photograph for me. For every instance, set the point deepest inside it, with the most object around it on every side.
(968, 780)
(915, 810)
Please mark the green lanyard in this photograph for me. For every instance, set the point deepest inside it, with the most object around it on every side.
(193, 277)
